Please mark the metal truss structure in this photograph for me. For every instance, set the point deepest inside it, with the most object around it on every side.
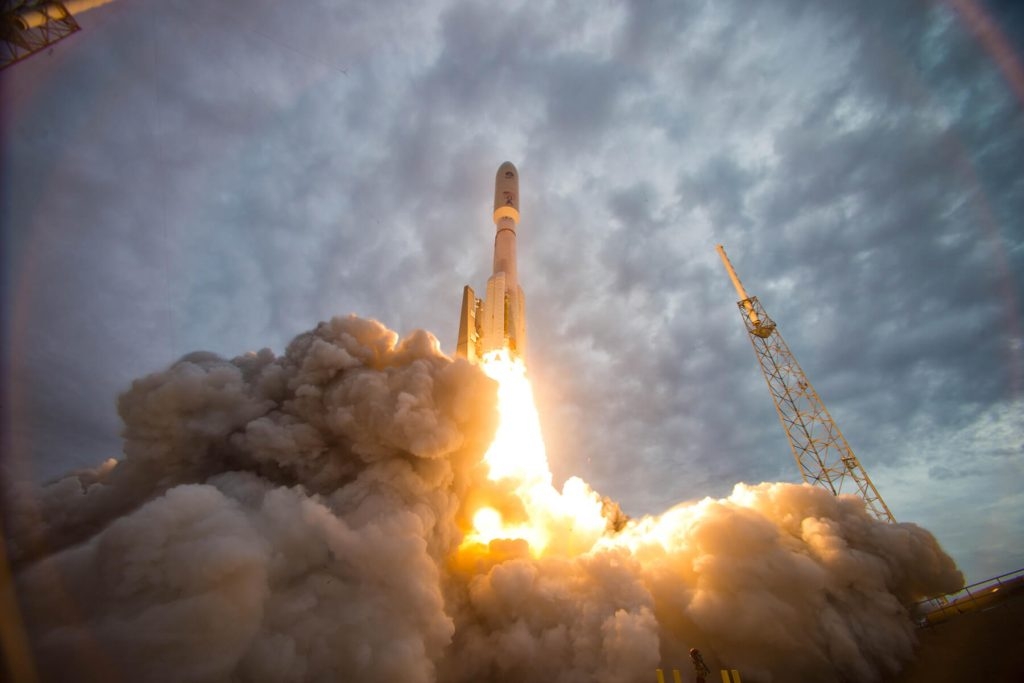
(824, 457)
(19, 41)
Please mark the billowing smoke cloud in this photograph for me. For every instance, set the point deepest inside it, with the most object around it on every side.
(299, 518)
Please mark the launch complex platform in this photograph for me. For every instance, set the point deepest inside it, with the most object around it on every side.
(974, 635)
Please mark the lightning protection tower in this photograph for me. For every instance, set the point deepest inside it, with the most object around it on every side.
(824, 457)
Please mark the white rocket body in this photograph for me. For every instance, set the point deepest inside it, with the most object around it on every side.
(499, 319)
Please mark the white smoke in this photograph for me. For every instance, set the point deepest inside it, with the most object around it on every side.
(297, 518)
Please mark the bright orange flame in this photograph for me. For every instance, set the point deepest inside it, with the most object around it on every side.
(487, 521)
(566, 522)
(517, 451)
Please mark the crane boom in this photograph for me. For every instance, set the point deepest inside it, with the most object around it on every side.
(34, 16)
(29, 27)
(745, 303)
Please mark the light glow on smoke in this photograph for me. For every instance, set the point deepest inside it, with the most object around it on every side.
(347, 511)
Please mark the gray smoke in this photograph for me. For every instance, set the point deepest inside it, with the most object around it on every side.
(298, 518)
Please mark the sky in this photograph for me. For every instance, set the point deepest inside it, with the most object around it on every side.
(183, 176)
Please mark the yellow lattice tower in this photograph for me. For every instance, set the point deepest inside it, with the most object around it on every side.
(824, 457)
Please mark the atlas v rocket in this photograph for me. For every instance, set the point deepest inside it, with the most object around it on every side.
(499, 319)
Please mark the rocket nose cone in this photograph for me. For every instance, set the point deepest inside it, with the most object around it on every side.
(505, 169)
(506, 190)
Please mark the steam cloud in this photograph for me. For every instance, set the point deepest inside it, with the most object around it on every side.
(298, 518)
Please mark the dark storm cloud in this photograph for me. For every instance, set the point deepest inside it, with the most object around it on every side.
(581, 99)
(651, 27)
(191, 176)
(890, 241)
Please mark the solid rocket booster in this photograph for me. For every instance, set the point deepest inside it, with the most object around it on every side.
(499, 319)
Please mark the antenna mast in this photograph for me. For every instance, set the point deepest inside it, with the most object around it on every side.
(824, 457)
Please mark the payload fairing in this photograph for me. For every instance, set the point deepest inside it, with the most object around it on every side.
(499, 319)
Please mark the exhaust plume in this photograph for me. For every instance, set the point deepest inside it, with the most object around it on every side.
(310, 517)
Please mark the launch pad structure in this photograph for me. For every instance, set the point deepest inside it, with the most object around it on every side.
(821, 451)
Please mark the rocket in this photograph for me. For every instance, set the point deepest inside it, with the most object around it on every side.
(499, 319)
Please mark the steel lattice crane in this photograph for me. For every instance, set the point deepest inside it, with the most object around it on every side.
(30, 26)
(824, 457)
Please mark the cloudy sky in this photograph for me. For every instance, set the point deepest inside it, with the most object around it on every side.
(185, 175)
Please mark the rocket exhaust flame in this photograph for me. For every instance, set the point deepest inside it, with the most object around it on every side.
(518, 449)
(554, 521)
